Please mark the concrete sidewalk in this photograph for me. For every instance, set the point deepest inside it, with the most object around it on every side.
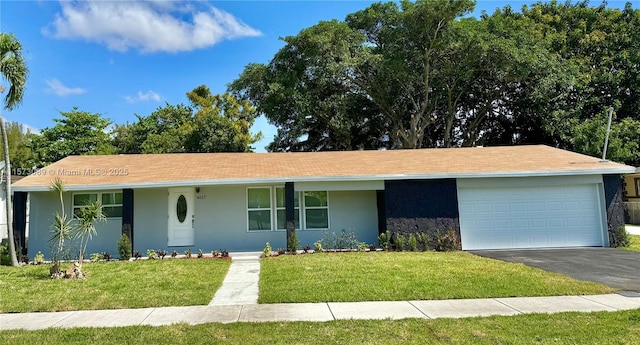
(320, 311)
(633, 229)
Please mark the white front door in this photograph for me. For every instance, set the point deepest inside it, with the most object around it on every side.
(181, 217)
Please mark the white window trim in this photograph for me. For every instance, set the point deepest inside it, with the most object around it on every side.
(273, 210)
(304, 213)
(270, 208)
(99, 198)
(275, 196)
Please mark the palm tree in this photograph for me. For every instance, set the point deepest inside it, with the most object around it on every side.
(14, 71)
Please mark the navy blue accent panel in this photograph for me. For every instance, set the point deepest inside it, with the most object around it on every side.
(20, 220)
(421, 206)
(613, 202)
(380, 204)
(127, 215)
(289, 207)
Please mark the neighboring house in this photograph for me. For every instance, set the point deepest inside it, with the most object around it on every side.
(493, 197)
(3, 213)
(631, 186)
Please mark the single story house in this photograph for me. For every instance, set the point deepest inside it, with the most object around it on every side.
(631, 186)
(493, 197)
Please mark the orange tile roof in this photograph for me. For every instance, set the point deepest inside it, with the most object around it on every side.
(139, 171)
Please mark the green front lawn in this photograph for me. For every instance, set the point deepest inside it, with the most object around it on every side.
(112, 285)
(566, 328)
(635, 243)
(384, 276)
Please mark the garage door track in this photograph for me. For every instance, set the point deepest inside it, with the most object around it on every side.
(613, 267)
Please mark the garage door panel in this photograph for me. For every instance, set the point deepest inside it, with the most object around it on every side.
(530, 217)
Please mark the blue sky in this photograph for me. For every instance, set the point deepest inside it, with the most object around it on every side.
(121, 58)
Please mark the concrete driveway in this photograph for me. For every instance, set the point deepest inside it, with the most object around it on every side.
(613, 267)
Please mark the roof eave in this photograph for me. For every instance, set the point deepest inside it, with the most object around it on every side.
(183, 183)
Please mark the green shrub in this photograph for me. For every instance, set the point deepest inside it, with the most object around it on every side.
(124, 247)
(317, 246)
(200, 254)
(152, 254)
(447, 241)
(362, 246)
(413, 243)
(292, 243)
(188, 253)
(329, 239)
(347, 239)
(95, 257)
(266, 252)
(423, 241)
(383, 240)
(401, 242)
(38, 259)
(5, 260)
(620, 238)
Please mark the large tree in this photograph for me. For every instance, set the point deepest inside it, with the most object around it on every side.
(496, 83)
(13, 70)
(420, 74)
(405, 75)
(602, 45)
(76, 133)
(220, 123)
(308, 93)
(20, 148)
(404, 45)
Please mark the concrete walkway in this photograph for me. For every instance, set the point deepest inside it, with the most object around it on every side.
(319, 311)
(240, 285)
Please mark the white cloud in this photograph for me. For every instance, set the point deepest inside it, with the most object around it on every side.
(143, 97)
(147, 26)
(56, 87)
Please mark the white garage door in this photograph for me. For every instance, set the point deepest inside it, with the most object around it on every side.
(530, 217)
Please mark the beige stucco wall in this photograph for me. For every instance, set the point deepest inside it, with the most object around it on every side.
(630, 185)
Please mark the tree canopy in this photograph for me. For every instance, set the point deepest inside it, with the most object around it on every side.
(76, 133)
(213, 123)
(20, 153)
(422, 74)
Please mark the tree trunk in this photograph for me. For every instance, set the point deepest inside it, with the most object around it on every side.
(7, 189)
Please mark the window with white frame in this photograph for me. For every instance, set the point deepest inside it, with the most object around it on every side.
(259, 209)
(111, 203)
(316, 210)
(281, 220)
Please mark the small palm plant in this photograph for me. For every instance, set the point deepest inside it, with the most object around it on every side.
(60, 228)
(86, 229)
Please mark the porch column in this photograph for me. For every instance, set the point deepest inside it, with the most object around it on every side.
(382, 212)
(127, 214)
(20, 221)
(290, 212)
